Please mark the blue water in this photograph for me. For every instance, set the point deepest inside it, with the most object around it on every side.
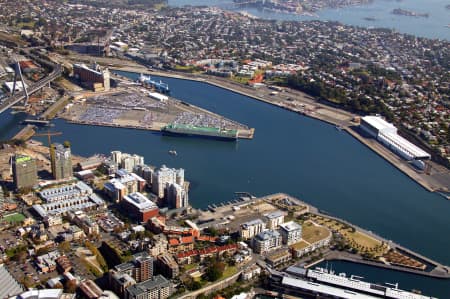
(432, 27)
(9, 124)
(294, 154)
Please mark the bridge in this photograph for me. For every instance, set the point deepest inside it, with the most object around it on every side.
(19, 96)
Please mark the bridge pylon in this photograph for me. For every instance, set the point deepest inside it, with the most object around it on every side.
(18, 73)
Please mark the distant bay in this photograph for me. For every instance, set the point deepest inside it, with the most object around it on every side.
(378, 14)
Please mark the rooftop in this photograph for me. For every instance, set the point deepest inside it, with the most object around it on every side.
(290, 226)
(274, 214)
(157, 282)
(139, 200)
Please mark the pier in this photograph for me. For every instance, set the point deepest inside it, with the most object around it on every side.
(26, 133)
(37, 122)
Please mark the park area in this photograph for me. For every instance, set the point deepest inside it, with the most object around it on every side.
(358, 240)
(13, 218)
(313, 233)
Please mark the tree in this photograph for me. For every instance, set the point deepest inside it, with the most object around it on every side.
(64, 246)
(70, 286)
(215, 271)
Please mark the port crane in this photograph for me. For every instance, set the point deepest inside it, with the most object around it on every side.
(49, 134)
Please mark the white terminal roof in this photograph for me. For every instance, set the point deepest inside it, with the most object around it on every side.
(324, 289)
(139, 200)
(158, 96)
(19, 86)
(404, 145)
(379, 123)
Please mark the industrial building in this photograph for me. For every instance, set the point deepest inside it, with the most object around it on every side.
(24, 171)
(139, 207)
(93, 78)
(61, 161)
(386, 134)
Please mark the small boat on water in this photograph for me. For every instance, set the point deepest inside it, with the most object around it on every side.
(173, 152)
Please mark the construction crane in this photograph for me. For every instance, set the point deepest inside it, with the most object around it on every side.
(49, 134)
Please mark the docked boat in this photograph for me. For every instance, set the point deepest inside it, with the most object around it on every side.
(159, 86)
(205, 132)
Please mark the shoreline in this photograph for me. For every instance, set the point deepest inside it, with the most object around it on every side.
(375, 146)
(439, 271)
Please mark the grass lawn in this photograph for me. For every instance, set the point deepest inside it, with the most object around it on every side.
(16, 217)
(362, 239)
(242, 80)
(300, 245)
(312, 233)
(229, 271)
(190, 266)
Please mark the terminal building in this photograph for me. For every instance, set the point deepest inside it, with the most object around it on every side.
(93, 78)
(386, 134)
(24, 171)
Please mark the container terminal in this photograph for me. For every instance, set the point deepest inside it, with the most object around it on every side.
(132, 106)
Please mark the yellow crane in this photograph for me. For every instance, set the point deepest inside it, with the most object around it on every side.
(49, 134)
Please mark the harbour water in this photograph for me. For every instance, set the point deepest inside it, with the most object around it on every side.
(294, 154)
(380, 10)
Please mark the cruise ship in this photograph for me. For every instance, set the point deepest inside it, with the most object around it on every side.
(327, 284)
(206, 132)
(159, 86)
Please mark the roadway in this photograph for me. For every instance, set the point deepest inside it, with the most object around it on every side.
(16, 98)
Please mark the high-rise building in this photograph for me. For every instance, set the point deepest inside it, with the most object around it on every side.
(126, 161)
(267, 241)
(61, 159)
(140, 268)
(24, 171)
(116, 156)
(177, 197)
(291, 232)
(251, 228)
(164, 176)
(167, 266)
